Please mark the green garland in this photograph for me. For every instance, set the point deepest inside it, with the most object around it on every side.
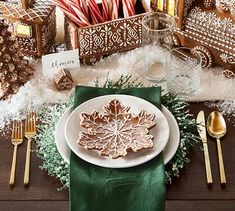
(56, 167)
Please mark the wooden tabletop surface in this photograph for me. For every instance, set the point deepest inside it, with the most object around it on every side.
(188, 192)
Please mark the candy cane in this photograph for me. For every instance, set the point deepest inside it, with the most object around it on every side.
(79, 13)
(115, 9)
(94, 18)
(110, 3)
(128, 8)
(125, 10)
(105, 10)
(74, 19)
(61, 4)
(77, 2)
(131, 7)
(81, 16)
(95, 11)
(84, 8)
(64, 7)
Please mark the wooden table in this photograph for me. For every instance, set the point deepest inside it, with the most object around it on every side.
(188, 192)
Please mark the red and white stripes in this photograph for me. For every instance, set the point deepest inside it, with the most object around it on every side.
(128, 8)
(95, 12)
(105, 10)
(78, 10)
(86, 12)
(115, 9)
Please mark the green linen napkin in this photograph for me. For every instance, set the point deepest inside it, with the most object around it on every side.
(94, 188)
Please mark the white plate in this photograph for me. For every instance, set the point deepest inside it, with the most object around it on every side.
(168, 152)
(160, 132)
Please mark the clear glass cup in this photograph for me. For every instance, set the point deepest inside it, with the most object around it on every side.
(157, 31)
(183, 72)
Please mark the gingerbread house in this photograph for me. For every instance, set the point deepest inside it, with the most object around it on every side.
(32, 23)
(208, 26)
(63, 80)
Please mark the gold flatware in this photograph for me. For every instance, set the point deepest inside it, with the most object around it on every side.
(16, 140)
(216, 128)
(201, 127)
(30, 132)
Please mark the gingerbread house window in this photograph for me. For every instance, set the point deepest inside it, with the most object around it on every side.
(171, 7)
(160, 5)
(167, 6)
(23, 30)
(176, 8)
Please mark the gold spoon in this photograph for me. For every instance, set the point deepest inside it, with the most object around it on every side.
(216, 128)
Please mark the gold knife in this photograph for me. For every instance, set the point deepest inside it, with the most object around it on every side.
(201, 127)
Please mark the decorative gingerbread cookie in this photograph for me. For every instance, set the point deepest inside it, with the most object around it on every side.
(117, 131)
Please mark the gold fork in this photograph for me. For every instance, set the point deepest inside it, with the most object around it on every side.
(30, 132)
(16, 140)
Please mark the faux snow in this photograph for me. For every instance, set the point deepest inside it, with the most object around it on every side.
(40, 90)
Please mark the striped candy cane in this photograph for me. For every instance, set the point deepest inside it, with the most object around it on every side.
(79, 13)
(110, 5)
(93, 17)
(95, 12)
(67, 11)
(115, 9)
(84, 8)
(128, 8)
(105, 10)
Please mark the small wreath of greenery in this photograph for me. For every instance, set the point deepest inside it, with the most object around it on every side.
(49, 115)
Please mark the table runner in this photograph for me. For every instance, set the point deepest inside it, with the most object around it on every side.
(132, 189)
(40, 89)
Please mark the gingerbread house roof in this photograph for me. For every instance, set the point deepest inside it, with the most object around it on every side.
(38, 11)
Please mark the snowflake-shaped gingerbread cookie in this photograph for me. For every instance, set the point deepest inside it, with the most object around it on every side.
(116, 132)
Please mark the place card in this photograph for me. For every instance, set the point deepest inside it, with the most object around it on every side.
(53, 63)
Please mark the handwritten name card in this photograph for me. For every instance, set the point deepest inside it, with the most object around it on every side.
(52, 63)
